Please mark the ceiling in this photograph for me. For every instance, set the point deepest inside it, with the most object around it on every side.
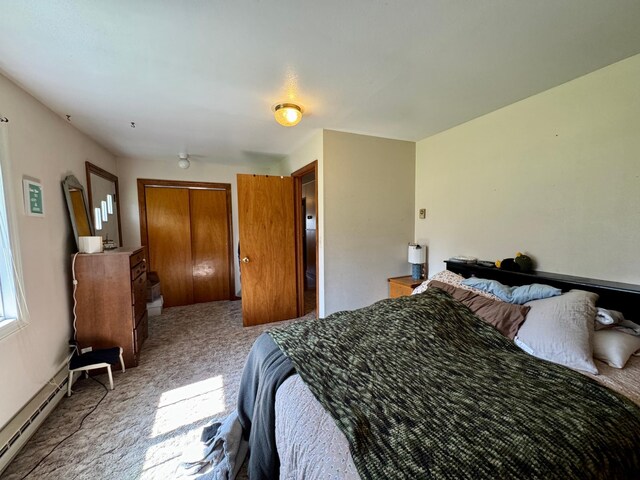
(202, 76)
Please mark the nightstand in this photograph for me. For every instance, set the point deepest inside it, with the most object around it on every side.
(401, 286)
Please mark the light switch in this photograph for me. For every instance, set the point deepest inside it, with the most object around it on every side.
(423, 213)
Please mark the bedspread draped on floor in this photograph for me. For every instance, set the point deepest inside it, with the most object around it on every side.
(265, 370)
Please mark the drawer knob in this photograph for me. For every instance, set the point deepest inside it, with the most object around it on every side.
(245, 260)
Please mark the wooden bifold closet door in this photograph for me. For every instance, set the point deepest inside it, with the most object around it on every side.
(188, 236)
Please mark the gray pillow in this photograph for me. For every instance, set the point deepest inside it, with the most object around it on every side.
(560, 329)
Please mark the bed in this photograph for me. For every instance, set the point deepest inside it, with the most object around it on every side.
(457, 399)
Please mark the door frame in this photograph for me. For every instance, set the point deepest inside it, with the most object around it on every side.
(142, 208)
(297, 192)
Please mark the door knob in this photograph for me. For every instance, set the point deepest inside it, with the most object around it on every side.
(245, 260)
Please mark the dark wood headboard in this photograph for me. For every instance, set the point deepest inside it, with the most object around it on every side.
(624, 297)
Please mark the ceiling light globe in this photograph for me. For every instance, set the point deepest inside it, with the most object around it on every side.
(288, 114)
(183, 161)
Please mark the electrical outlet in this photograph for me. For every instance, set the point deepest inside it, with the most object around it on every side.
(423, 213)
(85, 350)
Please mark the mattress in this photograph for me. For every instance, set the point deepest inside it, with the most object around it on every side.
(311, 446)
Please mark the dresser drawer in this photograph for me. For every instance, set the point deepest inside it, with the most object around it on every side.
(141, 332)
(396, 290)
(139, 288)
(401, 286)
(138, 269)
(136, 258)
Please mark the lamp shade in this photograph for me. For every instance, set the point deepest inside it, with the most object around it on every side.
(417, 254)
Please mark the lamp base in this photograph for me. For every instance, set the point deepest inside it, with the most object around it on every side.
(416, 271)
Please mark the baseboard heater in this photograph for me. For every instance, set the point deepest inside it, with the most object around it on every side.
(25, 423)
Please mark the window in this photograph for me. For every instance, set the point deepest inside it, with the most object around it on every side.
(10, 298)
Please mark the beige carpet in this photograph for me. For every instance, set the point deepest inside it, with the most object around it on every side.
(188, 375)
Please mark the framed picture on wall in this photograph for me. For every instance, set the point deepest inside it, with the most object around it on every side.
(33, 197)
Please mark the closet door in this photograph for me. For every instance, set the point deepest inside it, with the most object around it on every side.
(210, 244)
(186, 227)
(169, 242)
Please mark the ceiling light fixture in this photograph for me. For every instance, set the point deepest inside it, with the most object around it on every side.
(287, 114)
(184, 160)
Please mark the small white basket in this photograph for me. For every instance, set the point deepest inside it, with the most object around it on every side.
(155, 308)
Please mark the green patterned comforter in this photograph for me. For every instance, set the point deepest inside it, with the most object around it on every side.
(422, 388)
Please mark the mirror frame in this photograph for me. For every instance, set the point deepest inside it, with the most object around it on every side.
(91, 168)
(72, 182)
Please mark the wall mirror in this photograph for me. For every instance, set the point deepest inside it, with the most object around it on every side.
(78, 212)
(104, 203)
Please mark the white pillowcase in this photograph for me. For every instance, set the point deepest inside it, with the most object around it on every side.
(614, 347)
(608, 317)
(560, 329)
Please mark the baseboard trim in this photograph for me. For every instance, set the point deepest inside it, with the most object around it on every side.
(24, 424)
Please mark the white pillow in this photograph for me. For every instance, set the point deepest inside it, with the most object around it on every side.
(560, 329)
(614, 347)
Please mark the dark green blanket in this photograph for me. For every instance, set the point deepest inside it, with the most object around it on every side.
(422, 388)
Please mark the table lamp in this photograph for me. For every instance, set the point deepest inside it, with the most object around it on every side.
(417, 257)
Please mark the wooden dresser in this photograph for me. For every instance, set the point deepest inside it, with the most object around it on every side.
(111, 301)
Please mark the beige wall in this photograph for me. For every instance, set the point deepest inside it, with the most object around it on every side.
(556, 175)
(130, 169)
(368, 216)
(304, 154)
(43, 146)
(307, 152)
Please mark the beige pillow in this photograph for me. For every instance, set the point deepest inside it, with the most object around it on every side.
(560, 329)
(614, 347)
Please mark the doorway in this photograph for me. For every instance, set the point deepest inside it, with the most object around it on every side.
(306, 202)
(186, 227)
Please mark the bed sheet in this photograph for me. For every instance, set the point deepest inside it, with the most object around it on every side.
(309, 443)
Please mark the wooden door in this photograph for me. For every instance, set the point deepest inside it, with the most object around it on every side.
(169, 242)
(210, 245)
(267, 248)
